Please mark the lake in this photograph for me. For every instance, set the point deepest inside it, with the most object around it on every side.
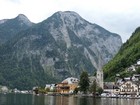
(28, 99)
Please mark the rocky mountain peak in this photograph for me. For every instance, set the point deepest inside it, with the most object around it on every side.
(69, 14)
(22, 18)
(71, 18)
(13, 26)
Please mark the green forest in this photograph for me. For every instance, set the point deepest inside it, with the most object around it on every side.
(128, 54)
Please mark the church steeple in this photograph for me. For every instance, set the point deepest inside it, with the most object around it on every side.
(99, 74)
(99, 77)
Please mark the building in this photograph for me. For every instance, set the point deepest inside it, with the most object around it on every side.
(134, 66)
(4, 89)
(67, 86)
(51, 87)
(99, 77)
(63, 88)
(136, 77)
(92, 79)
(110, 87)
(129, 87)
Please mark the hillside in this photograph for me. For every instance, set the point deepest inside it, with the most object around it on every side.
(61, 46)
(128, 54)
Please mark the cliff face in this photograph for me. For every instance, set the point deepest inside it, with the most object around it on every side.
(61, 46)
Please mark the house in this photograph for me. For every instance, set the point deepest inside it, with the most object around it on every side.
(129, 87)
(67, 86)
(136, 77)
(138, 62)
(63, 88)
(51, 87)
(111, 87)
(4, 89)
(134, 66)
(131, 68)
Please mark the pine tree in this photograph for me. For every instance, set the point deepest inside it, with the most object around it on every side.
(84, 82)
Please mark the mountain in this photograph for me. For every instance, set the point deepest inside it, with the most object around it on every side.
(10, 27)
(128, 55)
(59, 47)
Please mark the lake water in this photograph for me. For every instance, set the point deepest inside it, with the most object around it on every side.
(24, 99)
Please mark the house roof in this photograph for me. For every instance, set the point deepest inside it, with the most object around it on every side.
(109, 85)
(70, 80)
(133, 82)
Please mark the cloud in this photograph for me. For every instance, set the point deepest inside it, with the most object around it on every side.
(14, 1)
(119, 16)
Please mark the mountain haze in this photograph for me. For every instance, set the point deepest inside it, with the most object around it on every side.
(61, 46)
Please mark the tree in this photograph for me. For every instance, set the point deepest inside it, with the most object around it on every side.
(93, 87)
(138, 70)
(36, 90)
(76, 90)
(100, 90)
(84, 82)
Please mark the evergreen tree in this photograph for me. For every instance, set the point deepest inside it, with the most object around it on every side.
(100, 90)
(93, 87)
(84, 82)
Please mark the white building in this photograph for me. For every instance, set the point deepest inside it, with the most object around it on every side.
(50, 86)
(4, 89)
(138, 62)
(129, 87)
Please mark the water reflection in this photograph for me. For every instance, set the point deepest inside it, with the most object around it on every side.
(49, 100)
(58, 100)
(22, 99)
(37, 100)
(3, 99)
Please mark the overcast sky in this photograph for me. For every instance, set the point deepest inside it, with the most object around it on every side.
(118, 16)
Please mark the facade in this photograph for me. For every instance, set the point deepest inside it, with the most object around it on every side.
(67, 86)
(62, 88)
(129, 87)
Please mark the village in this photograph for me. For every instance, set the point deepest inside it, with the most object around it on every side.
(126, 87)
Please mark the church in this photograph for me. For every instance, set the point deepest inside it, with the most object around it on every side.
(98, 78)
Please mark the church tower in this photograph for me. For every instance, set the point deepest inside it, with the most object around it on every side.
(100, 78)
(99, 73)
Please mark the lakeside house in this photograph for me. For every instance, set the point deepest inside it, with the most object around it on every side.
(67, 86)
(125, 85)
(110, 87)
(129, 88)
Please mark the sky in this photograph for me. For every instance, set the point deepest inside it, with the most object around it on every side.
(117, 16)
